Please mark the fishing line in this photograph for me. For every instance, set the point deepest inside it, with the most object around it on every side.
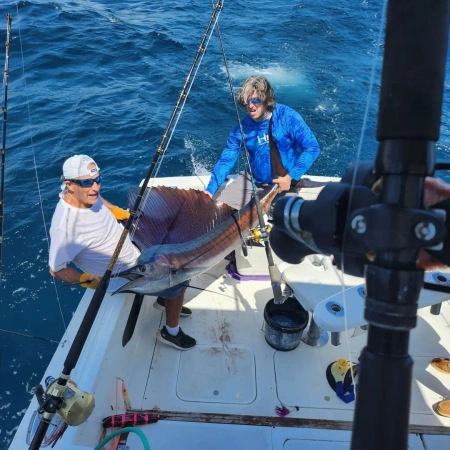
(341, 274)
(176, 114)
(29, 336)
(189, 87)
(25, 91)
(212, 292)
(230, 83)
(236, 109)
(192, 287)
(233, 96)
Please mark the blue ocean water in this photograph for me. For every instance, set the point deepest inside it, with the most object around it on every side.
(102, 78)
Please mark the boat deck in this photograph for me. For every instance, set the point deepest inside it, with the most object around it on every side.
(234, 377)
(233, 370)
(223, 393)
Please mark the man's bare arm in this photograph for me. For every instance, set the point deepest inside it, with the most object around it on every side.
(69, 275)
(119, 213)
(72, 276)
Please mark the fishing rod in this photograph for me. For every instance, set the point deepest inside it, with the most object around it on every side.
(386, 230)
(53, 401)
(274, 273)
(3, 148)
(409, 120)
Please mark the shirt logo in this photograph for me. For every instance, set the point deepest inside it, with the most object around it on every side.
(264, 139)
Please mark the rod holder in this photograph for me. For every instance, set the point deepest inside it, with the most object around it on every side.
(435, 309)
(315, 337)
(335, 338)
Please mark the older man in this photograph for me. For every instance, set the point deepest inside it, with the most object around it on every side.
(85, 232)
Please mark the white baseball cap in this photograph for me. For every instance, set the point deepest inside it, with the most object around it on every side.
(77, 166)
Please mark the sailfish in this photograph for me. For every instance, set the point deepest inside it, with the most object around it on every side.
(183, 233)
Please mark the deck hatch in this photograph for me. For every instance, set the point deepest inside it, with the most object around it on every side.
(217, 374)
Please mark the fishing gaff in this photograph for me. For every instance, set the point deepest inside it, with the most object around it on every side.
(3, 148)
(274, 273)
(53, 401)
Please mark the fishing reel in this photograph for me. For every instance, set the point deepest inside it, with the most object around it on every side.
(256, 234)
(72, 404)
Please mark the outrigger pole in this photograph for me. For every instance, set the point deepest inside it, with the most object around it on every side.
(386, 231)
(3, 148)
(54, 399)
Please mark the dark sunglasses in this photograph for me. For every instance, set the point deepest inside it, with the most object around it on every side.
(255, 101)
(88, 182)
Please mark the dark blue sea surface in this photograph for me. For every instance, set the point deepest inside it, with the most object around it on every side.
(102, 78)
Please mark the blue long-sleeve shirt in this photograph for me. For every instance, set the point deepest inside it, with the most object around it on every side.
(296, 143)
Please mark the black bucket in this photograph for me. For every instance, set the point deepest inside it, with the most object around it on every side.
(285, 324)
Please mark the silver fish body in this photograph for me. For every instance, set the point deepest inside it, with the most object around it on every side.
(163, 266)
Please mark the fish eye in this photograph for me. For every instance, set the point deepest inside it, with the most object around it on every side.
(141, 268)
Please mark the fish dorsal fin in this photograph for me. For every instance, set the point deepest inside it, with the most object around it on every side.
(174, 216)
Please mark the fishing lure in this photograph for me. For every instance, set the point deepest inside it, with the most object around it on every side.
(281, 411)
(128, 420)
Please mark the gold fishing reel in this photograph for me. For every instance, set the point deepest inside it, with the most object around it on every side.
(256, 235)
(77, 405)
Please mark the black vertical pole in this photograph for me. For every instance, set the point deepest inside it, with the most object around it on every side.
(408, 126)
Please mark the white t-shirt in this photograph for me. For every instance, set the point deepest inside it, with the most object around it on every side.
(88, 238)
